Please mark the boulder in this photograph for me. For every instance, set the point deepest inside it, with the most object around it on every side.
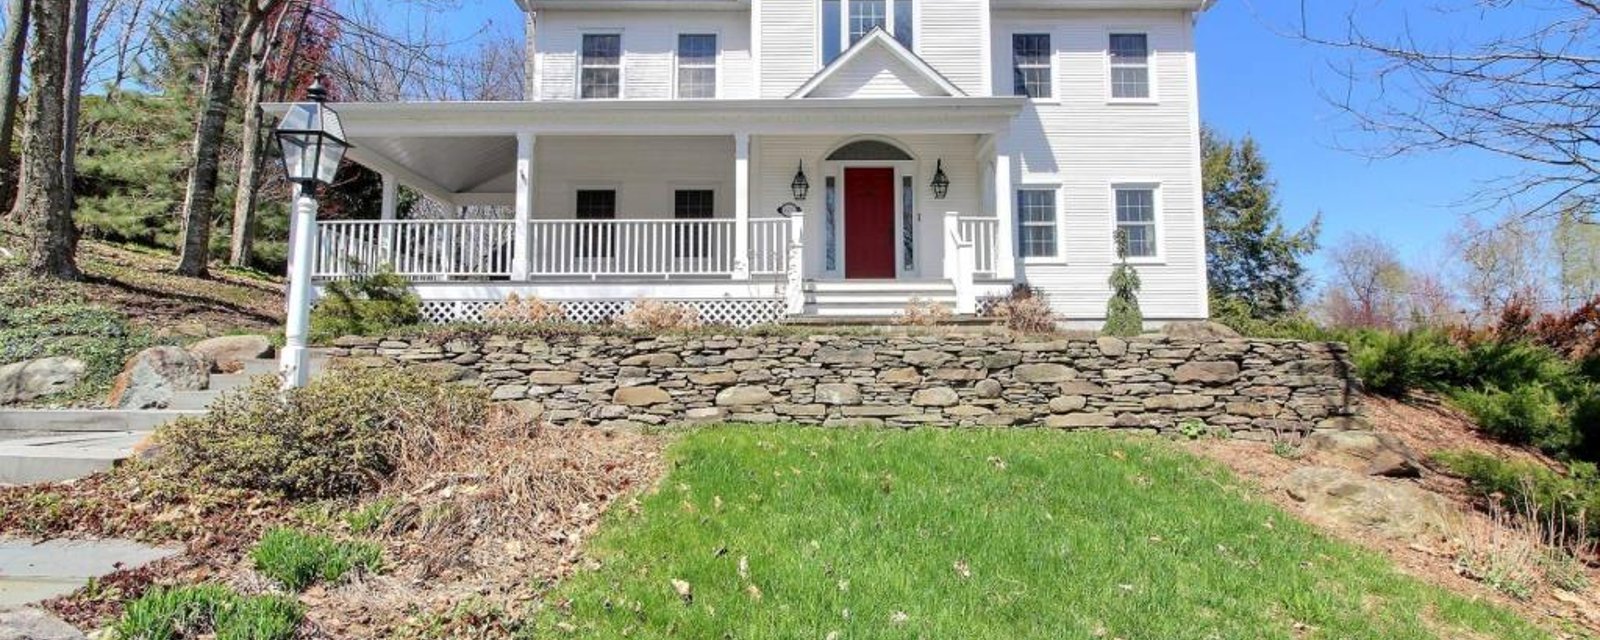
(1344, 423)
(154, 376)
(641, 396)
(838, 393)
(31, 379)
(743, 396)
(1390, 508)
(1198, 331)
(1383, 454)
(228, 354)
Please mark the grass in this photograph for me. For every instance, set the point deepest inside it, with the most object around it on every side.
(762, 533)
(182, 612)
(296, 559)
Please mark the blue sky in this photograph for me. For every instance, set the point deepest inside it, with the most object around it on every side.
(1254, 80)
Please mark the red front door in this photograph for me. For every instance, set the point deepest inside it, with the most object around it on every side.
(869, 223)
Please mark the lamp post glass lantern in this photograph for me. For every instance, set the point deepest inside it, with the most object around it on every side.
(312, 141)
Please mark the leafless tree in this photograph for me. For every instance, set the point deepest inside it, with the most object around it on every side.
(1369, 285)
(1530, 94)
(11, 51)
(45, 201)
(1499, 265)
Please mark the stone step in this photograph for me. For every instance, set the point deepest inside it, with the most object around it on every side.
(882, 299)
(31, 571)
(64, 456)
(85, 420)
(892, 286)
(194, 400)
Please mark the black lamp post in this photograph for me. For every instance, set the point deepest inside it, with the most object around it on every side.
(312, 141)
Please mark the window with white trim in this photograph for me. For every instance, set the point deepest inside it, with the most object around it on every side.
(595, 239)
(693, 240)
(1130, 66)
(1036, 223)
(697, 65)
(600, 76)
(846, 21)
(1031, 67)
(1136, 220)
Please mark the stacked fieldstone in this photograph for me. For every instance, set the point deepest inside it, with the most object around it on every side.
(1250, 388)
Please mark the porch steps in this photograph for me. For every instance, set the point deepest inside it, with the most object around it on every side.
(874, 299)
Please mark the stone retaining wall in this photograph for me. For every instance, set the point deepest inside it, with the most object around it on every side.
(1252, 388)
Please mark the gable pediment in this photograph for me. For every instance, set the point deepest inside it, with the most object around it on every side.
(878, 66)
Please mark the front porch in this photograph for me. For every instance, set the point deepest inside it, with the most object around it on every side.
(793, 219)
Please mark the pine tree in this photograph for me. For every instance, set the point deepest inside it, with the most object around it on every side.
(1251, 258)
(1123, 317)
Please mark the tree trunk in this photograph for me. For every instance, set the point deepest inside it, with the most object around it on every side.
(244, 202)
(52, 238)
(72, 95)
(216, 100)
(11, 51)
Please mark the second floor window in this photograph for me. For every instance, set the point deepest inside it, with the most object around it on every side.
(697, 66)
(1130, 66)
(846, 21)
(601, 76)
(1030, 65)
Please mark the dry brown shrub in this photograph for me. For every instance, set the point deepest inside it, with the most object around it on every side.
(923, 313)
(655, 315)
(1026, 311)
(520, 310)
(1523, 551)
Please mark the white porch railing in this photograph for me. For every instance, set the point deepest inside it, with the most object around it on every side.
(414, 248)
(468, 249)
(960, 263)
(984, 235)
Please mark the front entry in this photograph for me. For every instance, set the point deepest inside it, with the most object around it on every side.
(869, 223)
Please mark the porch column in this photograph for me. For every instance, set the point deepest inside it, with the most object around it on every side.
(1005, 267)
(386, 213)
(741, 206)
(521, 240)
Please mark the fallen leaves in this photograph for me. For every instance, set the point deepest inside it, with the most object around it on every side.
(962, 569)
(684, 590)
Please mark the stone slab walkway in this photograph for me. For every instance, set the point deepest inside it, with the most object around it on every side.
(32, 571)
(64, 456)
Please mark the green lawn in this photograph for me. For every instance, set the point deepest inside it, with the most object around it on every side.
(980, 534)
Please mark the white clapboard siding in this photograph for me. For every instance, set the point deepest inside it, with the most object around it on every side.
(644, 170)
(1082, 143)
(649, 43)
(790, 47)
(876, 73)
(949, 35)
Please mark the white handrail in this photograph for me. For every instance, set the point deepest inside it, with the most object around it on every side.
(984, 235)
(413, 248)
(959, 262)
(664, 248)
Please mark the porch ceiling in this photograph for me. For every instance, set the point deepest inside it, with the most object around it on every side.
(457, 165)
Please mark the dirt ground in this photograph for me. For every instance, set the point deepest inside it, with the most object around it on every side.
(1427, 426)
(470, 544)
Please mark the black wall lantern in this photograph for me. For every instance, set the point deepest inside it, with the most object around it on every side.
(941, 182)
(801, 186)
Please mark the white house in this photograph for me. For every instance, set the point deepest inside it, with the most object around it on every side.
(762, 159)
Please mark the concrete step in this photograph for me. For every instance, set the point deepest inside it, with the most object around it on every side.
(86, 420)
(892, 286)
(64, 456)
(194, 400)
(885, 299)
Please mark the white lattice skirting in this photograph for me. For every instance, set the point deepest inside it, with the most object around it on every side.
(733, 312)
